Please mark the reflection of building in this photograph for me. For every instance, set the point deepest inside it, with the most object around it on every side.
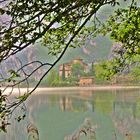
(67, 67)
(66, 104)
(86, 81)
(76, 103)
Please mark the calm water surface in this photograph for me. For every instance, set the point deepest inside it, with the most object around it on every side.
(115, 115)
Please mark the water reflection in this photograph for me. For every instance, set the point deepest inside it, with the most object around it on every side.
(58, 116)
(66, 103)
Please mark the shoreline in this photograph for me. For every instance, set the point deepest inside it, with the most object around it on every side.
(86, 88)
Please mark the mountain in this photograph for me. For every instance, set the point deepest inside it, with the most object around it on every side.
(95, 50)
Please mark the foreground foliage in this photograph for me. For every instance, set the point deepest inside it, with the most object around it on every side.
(124, 28)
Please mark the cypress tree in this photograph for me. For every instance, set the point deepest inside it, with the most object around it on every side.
(92, 69)
(63, 73)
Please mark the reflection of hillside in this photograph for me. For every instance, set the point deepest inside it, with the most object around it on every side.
(65, 102)
(124, 114)
(103, 102)
(127, 102)
(130, 107)
(87, 100)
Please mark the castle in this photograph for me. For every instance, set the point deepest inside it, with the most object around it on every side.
(67, 67)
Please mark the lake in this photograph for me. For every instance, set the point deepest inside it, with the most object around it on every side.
(61, 115)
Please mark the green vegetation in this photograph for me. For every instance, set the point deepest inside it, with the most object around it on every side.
(124, 28)
(92, 70)
(63, 73)
(52, 78)
(77, 70)
(135, 72)
(101, 70)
